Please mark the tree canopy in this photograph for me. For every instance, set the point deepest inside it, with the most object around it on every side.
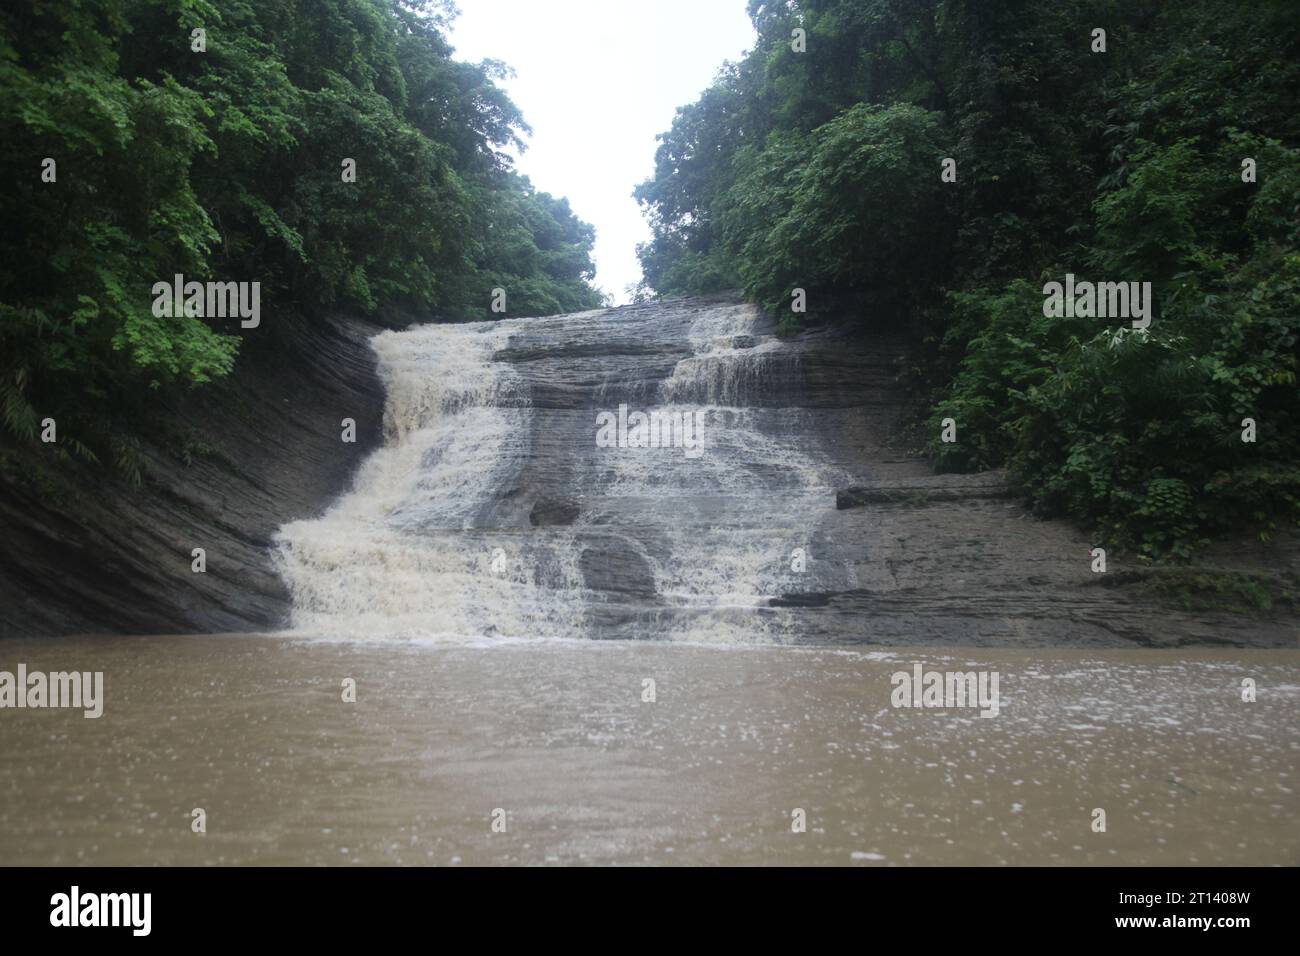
(220, 156)
(1118, 156)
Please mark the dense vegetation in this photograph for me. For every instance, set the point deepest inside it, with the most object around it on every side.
(821, 170)
(227, 165)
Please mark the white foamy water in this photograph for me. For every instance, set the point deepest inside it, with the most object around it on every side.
(730, 362)
(391, 557)
(489, 453)
(435, 540)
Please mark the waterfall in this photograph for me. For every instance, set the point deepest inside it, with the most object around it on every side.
(491, 512)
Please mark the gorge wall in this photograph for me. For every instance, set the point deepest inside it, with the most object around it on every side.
(784, 505)
(511, 501)
(86, 553)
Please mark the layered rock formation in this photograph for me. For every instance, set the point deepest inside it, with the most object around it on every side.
(497, 510)
(492, 508)
(88, 554)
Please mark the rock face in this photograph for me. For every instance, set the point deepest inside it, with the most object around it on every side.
(94, 556)
(672, 471)
(676, 472)
(552, 511)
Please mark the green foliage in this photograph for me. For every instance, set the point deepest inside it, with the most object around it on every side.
(852, 205)
(226, 165)
(821, 170)
(1209, 589)
(1009, 348)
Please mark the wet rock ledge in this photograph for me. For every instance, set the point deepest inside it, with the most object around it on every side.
(226, 467)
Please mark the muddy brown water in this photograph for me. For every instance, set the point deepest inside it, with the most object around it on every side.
(504, 588)
(557, 735)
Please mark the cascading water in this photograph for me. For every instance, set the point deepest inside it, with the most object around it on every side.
(492, 511)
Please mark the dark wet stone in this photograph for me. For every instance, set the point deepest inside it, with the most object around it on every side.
(97, 556)
(554, 511)
(612, 564)
(806, 451)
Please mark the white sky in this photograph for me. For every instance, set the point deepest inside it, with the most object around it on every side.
(597, 79)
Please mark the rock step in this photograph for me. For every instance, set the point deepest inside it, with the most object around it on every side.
(926, 488)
